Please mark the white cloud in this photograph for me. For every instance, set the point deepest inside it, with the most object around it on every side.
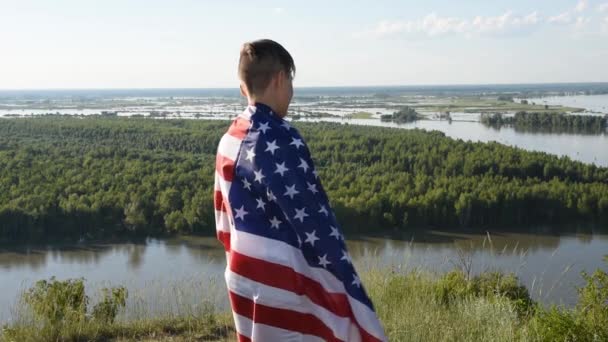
(433, 25)
(603, 7)
(581, 6)
(504, 24)
(563, 18)
(278, 10)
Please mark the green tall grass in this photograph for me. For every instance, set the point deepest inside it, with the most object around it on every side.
(413, 305)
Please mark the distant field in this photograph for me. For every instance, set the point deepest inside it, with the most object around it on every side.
(486, 105)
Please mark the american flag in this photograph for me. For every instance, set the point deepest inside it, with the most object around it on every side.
(289, 274)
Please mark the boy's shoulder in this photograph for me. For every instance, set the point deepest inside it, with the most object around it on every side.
(267, 125)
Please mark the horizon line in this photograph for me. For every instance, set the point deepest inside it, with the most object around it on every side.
(317, 87)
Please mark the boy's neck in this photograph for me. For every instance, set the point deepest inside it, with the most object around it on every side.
(266, 101)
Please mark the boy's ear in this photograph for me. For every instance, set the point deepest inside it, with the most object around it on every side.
(279, 78)
(243, 90)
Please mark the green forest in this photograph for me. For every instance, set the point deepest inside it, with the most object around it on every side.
(549, 122)
(404, 115)
(81, 177)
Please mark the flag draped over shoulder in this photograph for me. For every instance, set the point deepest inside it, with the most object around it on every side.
(289, 274)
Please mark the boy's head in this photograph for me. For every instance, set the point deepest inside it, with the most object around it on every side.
(266, 71)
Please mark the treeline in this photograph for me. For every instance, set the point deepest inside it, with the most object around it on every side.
(550, 122)
(100, 176)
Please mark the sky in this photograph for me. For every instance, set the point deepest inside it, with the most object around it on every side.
(195, 43)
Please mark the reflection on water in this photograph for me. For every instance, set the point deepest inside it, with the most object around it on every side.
(582, 147)
(548, 262)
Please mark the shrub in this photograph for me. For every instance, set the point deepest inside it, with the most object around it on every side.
(61, 306)
(53, 302)
(592, 305)
(113, 300)
(454, 285)
(451, 286)
(490, 284)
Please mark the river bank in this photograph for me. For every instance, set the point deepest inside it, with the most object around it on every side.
(412, 305)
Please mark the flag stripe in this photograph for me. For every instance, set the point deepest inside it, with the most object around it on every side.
(286, 278)
(229, 146)
(281, 318)
(283, 299)
(225, 167)
(284, 254)
(242, 338)
(222, 221)
(238, 128)
(219, 201)
(222, 185)
(265, 332)
(224, 238)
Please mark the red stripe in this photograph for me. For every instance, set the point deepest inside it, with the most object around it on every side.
(224, 237)
(219, 202)
(225, 167)
(239, 127)
(286, 278)
(281, 318)
(242, 338)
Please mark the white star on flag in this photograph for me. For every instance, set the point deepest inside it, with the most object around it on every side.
(275, 222)
(300, 214)
(271, 196)
(323, 261)
(261, 204)
(250, 155)
(346, 257)
(312, 188)
(303, 164)
(296, 142)
(356, 281)
(240, 213)
(271, 147)
(281, 169)
(264, 127)
(258, 176)
(323, 210)
(246, 184)
(311, 237)
(291, 191)
(334, 232)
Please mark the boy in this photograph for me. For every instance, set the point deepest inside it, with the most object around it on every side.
(288, 273)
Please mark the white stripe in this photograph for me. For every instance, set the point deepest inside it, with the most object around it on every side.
(229, 146)
(284, 254)
(263, 332)
(222, 221)
(222, 185)
(283, 299)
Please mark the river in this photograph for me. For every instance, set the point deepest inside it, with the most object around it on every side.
(587, 148)
(176, 275)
